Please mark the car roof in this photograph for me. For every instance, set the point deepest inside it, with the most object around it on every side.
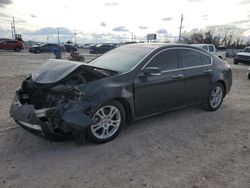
(164, 45)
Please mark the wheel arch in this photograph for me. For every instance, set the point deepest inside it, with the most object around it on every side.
(224, 85)
(127, 108)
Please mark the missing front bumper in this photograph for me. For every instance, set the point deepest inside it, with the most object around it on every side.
(70, 123)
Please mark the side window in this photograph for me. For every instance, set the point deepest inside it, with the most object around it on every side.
(211, 48)
(190, 58)
(166, 60)
(205, 47)
(206, 60)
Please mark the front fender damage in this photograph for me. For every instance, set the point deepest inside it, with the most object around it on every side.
(77, 118)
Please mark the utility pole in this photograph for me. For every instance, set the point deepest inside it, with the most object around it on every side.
(180, 28)
(12, 33)
(58, 35)
(75, 36)
(14, 26)
(132, 36)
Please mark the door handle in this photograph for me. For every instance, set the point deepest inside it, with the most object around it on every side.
(178, 76)
(207, 70)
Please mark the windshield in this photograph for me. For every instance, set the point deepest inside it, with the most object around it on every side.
(246, 50)
(122, 59)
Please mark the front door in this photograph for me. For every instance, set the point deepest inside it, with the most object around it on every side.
(159, 93)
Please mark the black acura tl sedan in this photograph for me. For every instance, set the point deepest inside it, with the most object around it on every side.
(94, 101)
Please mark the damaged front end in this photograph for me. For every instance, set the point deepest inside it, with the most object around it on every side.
(55, 108)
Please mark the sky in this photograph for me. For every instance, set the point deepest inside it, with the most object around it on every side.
(117, 20)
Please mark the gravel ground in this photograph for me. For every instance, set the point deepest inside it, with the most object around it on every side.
(186, 148)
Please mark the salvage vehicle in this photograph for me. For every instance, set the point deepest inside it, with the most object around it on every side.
(211, 48)
(94, 101)
(47, 47)
(243, 57)
(11, 44)
(70, 48)
(102, 48)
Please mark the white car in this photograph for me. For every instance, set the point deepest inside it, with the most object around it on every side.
(211, 48)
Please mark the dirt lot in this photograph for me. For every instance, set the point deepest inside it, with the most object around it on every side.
(186, 148)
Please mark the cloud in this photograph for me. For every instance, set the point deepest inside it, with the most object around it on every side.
(194, 1)
(162, 31)
(103, 24)
(205, 17)
(33, 16)
(240, 22)
(4, 15)
(243, 2)
(143, 27)
(167, 19)
(52, 31)
(5, 2)
(120, 29)
(111, 3)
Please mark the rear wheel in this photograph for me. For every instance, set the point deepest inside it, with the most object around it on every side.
(215, 97)
(110, 119)
(248, 75)
(17, 49)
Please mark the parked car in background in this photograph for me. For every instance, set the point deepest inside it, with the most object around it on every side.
(11, 45)
(88, 45)
(70, 48)
(74, 99)
(211, 48)
(47, 47)
(243, 57)
(102, 48)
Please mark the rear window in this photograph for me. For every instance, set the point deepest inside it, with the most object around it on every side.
(190, 58)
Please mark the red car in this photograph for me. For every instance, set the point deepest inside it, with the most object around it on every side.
(11, 45)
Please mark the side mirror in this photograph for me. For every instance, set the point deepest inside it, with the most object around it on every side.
(151, 71)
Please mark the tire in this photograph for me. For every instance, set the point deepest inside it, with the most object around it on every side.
(105, 131)
(17, 49)
(248, 75)
(37, 51)
(236, 62)
(215, 97)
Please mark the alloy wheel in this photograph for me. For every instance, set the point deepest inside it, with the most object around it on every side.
(108, 120)
(216, 97)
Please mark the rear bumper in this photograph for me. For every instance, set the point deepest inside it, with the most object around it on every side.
(68, 125)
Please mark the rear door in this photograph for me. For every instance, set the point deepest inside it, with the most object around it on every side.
(197, 70)
(158, 93)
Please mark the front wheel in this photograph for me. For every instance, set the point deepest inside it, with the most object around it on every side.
(109, 120)
(215, 97)
(37, 51)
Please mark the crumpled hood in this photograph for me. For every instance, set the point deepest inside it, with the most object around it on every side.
(54, 70)
(244, 53)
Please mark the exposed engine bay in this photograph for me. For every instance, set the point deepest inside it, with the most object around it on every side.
(60, 104)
